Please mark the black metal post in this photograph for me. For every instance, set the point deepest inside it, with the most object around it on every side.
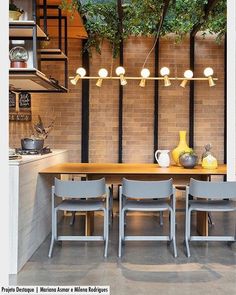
(85, 110)
(59, 29)
(121, 52)
(225, 100)
(191, 93)
(156, 99)
(34, 14)
(45, 25)
(66, 52)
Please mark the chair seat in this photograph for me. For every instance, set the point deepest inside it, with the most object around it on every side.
(212, 205)
(146, 205)
(81, 205)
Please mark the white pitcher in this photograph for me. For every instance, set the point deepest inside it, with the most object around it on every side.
(162, 157)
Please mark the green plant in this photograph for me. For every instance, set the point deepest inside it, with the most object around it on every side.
(191, 153)
(101, 23)
(142, 18)
(217, 21)
(13, 7)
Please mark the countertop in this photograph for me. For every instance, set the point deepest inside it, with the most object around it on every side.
(128, 169)
(31, 158)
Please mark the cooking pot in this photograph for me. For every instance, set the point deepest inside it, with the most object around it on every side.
(32, 144)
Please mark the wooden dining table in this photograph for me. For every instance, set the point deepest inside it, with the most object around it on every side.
(114, 172)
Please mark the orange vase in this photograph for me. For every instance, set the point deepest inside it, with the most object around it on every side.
(182, 147)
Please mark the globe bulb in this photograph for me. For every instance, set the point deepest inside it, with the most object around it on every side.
(120, 71)
(188, 74)
(81, 72)
(18, 53)
(145, 73)
(208, 72)
(103, 73)
(164, 71)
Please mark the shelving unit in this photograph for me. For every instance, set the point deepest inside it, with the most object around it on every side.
(24, 29)
(51, 54)
(60, 54)
(31, 79)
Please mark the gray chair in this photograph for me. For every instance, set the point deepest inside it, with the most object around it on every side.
(210, 198)
(82, 196)
(145, 192)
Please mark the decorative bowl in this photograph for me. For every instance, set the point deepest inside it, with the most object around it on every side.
(14, 15)
(188, 160)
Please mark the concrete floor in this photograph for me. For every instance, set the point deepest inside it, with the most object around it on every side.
(146, 267)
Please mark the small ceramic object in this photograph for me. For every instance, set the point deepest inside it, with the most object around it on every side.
(162, 157)
(208, 160)
(188, 160)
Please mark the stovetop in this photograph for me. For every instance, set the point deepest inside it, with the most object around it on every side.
(43, 151)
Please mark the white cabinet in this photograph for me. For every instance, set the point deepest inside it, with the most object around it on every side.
(30, 205)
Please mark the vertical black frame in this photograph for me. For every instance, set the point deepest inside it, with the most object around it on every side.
(156, 99)
(191, 93)
(85, 109)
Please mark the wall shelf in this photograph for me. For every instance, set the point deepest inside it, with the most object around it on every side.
(24, 29)
(32, 80)
(51, 54)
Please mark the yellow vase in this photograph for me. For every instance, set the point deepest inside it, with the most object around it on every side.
(182, 147)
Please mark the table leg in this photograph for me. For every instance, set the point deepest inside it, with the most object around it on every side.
(202, 223)
(89, 223)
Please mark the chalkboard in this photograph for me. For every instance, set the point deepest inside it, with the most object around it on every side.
(12, 99)
(24, 100)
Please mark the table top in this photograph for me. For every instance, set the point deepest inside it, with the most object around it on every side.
(129, 168)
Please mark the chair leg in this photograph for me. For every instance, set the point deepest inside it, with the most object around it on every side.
(104, 225)
(106, 230)
(121, 232)
(111, 208)
(172, 230)
(125, 223)
(187, 231)
(72, 220)
(54, 232)
(161, 218)
(210, 219)
(51, 247)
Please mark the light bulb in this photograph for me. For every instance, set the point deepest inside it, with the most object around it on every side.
(164, 71)
(120, 71)
(81, 72)
(103, 73)
(145, 73)
(188, 74)
(208, 72)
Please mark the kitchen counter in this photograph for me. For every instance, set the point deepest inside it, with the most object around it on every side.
(32, 158)
(30, 205)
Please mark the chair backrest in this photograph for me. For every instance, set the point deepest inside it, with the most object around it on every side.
(147, 189)
(212, 190)
(80, 189)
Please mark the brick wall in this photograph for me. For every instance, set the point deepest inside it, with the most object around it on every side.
(138, 103)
